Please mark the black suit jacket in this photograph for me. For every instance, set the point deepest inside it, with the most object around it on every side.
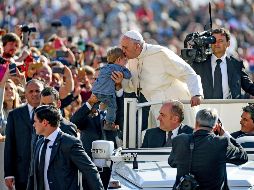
(17, 152)
(67, 157)
(237, 77)
(210, 155)
(156, 137)
(68, 127)
(90, 128)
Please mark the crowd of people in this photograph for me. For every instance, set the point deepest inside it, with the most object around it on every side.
(71, 68)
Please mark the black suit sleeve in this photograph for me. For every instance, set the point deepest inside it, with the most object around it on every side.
(68, 127)
(120, 112)
(86, 166)
(246, 84)
(80, 115)
(9, 149)
(171, 158)
(145, 140)
(67, 101)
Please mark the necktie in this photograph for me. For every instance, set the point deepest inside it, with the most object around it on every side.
(34, 136)
(169, 140)
(217, 88)
(41, 165)
(32, 117)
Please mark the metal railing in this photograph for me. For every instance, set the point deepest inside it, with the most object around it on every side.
(229, 111)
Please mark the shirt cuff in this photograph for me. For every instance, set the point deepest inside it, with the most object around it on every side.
(227, 134)
(119, 93)
(88, 105)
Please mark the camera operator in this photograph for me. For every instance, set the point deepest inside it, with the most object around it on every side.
(223, 75)
(210, 153)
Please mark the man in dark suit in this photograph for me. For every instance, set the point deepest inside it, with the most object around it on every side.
(171, 117)
(19, 138)
(210, 154)
(58, 156)
(89, 121)
(50, 96)
(222, 75)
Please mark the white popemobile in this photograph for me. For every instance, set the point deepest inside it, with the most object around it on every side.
(148, 169)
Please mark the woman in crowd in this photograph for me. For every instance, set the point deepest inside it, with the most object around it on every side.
(9, 99)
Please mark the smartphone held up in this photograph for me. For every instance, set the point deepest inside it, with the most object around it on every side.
(59, 70)
(3, 67)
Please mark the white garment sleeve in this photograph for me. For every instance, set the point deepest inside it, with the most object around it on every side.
(128, 85)
(182, 71)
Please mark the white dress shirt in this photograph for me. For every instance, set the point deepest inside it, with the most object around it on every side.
(224, 73)
(174, 132)
(52, 138)
(30, 109)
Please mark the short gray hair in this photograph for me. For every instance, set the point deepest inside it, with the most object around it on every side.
(207, 117)
(177, 108)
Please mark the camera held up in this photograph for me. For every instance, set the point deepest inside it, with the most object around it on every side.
(197, 46)
(26, 28)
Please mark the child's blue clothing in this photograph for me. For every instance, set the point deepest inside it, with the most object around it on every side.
(104, 88)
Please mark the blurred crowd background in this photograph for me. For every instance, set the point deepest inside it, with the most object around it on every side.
(102, 22)
(64, 42)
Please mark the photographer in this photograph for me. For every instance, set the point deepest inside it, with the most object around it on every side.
(223, 75)
(210, 153)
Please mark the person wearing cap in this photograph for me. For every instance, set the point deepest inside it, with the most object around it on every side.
(210, 153)
(158, 73)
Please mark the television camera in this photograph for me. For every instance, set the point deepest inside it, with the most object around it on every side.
(26, 28)
(197, 46)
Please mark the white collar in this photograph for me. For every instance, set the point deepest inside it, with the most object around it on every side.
(175, 131)
(52, 136)
(30, 108)
(214, 58)
(142, 54)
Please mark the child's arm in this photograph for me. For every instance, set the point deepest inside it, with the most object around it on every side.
(126, 73)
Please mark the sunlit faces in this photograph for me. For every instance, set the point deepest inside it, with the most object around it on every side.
(11, 48)
(131, 49)
(44, 73)
(220, 46)
(167, 118)
(49, 100)
(56, 81)
(121, 61)
(246, 122)
(39, 125)
(32, 93)
(10, 91)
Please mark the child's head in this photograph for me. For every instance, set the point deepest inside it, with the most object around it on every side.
(116, 55)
